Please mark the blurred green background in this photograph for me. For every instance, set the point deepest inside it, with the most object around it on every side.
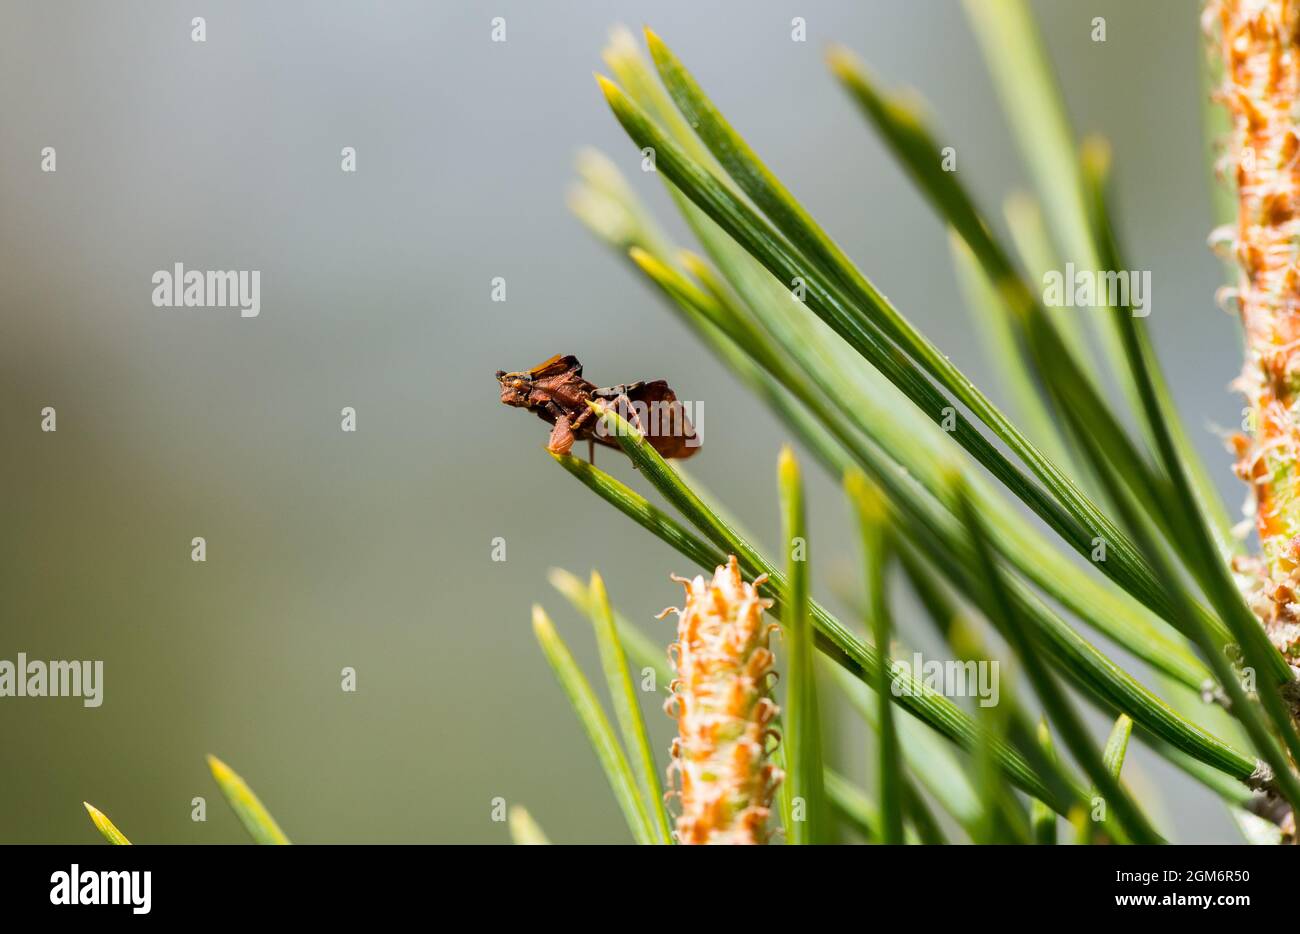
(373, 550)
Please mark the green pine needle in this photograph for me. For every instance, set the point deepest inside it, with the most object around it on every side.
(803, 745)
(259, 823)
(105, 826)
(597, 727)
(873, 520)
(627, 709)
(525, 831)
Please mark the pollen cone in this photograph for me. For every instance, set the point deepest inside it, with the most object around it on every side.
(1258, 42)
(723, 707)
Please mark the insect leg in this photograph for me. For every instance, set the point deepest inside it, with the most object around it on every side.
(561, 440)
(633, 416)
(583, 417)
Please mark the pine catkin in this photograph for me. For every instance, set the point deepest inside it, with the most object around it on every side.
(723, 706)
(1259, 44)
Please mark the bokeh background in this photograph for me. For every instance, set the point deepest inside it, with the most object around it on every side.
(373, 550)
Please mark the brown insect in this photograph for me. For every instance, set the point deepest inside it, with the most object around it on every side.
(556, 391)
